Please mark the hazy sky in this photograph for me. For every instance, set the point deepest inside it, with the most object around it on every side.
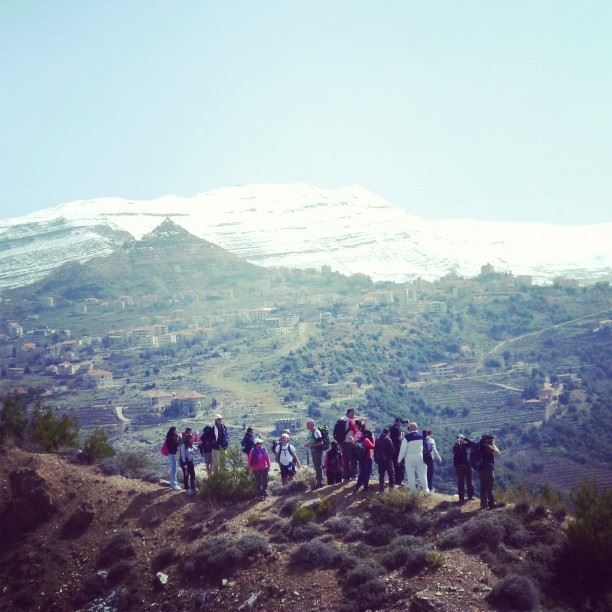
(492, 109)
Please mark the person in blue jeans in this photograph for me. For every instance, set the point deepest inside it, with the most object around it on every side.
(364, 436)
(172, 444)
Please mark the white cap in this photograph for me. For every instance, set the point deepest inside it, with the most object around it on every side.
(258, 441)
(218, 416)
(285, 435)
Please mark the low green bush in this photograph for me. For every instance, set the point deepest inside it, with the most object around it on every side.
(419, 558)
(315, 554)
(131, 464)
(396, 553)
(303, 515)
(120, 547)
(221, 556)
(53, 432)
(164, 557)
(233, 483)
(96, 446)
(514, 592)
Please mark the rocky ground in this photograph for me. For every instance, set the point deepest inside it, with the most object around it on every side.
(58, 519)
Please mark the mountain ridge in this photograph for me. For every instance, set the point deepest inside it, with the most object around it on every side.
(350, 229)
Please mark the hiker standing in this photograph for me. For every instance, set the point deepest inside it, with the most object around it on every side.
(364, 445)
(206, 445)
(384, 455)
(462, 467)
(344, 433)
(188, 452)
(333, 464)
(486, 472)
(187, 433)
(259, 462)
(172, 445)
(430, 454)
(411, 451)
(220, 443)
(396, 435)
(314, 442)
(287, 459)
(247, 443)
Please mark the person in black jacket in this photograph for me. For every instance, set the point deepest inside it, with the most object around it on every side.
(247, 443)
(172, 445)
(488, 451)
(384, 455)
(396, 434)
(462, 467)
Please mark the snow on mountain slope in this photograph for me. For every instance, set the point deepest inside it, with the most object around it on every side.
(350, 229)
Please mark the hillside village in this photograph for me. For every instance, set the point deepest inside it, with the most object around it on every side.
(133, 361)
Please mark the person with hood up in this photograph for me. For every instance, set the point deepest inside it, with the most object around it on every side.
(259, 462)
(411, 453)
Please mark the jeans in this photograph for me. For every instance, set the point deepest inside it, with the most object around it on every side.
(386, 467)
(429, 462)
(464, 477)
(349, 465)
(172, 465)
(487, 484)
(317, 462)
(261, 481)
(365, 470)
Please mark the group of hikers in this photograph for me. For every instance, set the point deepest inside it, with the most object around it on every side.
(348, 456)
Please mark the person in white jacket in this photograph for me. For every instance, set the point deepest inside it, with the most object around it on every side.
(411, 452)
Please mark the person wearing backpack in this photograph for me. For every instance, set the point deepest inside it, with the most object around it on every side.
(259, 463)
(206, 444)
(170, 448)
(188, 462)
(486, 471)
(430, 453)
(220, 443)
(384, 455)
(363, 451)
(333, 464)
(315, 443)
(463, 468)
(344, 433)
(286, 458)
(411, 452)
(247, 443)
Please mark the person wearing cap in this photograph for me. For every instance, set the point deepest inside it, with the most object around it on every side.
(259, 463)
(411, 452)
(287, 458)
(314, 442)
(486, 473)
(220, 443)
(462, 467)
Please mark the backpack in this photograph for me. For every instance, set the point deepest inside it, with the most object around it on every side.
(334, 463)
(358, 450)
(324, 429)
(205, 445)
(427, 456)
(339, 432)
(476, 459)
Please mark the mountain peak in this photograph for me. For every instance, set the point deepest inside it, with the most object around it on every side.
(167, 229)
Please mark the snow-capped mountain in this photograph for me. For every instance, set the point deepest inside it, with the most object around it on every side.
(350, 229)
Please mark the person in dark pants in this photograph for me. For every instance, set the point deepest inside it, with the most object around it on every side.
(364, 436)
(488, 451)
(349, 464)
(188, 452)
(396, 434)
(463, 468)
(430, 453)
(384, 455)
(333, 464)
(314, 442)
(259, 462)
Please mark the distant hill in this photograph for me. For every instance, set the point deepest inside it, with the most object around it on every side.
(350, 229)
(166, 261)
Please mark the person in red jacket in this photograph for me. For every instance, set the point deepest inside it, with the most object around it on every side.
(363, 448)
(259, 462)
